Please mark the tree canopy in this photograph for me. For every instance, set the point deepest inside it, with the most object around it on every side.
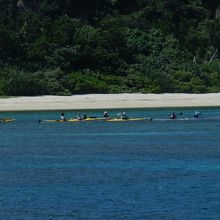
(109, 46)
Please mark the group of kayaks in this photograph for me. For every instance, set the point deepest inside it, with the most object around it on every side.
(96, 119)
(130, 120)
(122, 118)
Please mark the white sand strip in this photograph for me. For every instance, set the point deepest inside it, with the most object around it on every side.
(109, 101)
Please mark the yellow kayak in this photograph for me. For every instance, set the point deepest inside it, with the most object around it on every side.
(71, 120)
(50, 121)
(7, 119)
(129, 119)
(81, 120)
(92, 119)
(58, 121)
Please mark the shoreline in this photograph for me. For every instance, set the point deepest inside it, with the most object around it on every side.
(109, 101)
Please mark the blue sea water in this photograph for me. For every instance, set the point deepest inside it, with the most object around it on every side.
(102, 170)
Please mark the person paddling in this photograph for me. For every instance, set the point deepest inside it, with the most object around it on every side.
(173, 116)
(124, 116)
(105, 114)
(62, 117)
(197, 114)
(79, 117)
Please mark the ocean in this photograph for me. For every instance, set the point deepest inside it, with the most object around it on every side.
(105, 170)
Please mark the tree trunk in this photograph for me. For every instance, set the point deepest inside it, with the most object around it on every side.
(20, 4)
(213, 56)
(217, 13)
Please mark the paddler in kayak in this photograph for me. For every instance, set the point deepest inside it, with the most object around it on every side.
(105, 114)
(84, 116)
(124, 116)
(79, 117)
(197, 114)
(173, 116)
(62, 117)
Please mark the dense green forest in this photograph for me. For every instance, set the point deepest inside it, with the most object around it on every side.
(69, 47)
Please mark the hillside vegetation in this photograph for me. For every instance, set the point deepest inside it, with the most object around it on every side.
(109, 46)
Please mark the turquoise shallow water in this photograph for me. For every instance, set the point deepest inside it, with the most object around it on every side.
(99, 170)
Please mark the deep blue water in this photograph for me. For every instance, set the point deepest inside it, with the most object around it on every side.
(102, 170)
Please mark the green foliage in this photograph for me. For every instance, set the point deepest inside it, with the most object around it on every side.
(81, 83)
(2, 87)
(18, 83)
(109, 46)
(214, 67)
(55, 82)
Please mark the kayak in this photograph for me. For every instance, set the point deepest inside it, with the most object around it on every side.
(129, 119)
(96, 119)
(7, 120)
(92, 119)
(177, 119)
(82, 120)
(72, 120)
(187, 119)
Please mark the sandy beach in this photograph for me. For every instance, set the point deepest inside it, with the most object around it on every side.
(108, 101)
